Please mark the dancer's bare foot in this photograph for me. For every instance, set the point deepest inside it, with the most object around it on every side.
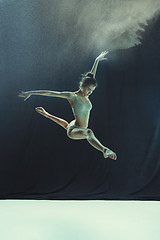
(41, 111)
(108, 153)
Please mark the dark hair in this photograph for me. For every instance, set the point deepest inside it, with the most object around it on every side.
(88, 79)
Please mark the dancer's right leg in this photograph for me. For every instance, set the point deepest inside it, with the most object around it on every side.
(55, 119)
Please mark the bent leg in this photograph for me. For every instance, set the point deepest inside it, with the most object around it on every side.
(80, 133)
(55, 119)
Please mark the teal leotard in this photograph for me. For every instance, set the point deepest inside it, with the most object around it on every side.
(80, 109)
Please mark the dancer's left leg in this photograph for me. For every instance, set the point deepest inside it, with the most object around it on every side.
(96, 143)
(79, 133)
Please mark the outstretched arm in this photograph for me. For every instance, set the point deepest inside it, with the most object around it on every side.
(26, 95)
(95, 65)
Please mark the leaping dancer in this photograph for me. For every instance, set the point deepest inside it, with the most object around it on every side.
(81, 107)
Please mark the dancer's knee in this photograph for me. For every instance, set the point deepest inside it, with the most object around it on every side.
(90, 133)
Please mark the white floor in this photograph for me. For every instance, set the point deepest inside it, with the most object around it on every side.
(79, 220)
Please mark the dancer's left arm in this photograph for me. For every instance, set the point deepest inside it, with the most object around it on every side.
(95, 64)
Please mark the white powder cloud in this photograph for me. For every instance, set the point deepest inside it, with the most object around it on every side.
(56, 34)
(106, 24)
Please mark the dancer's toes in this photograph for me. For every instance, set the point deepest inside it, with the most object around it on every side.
(40, 110)
(113, 156)
(108, 153)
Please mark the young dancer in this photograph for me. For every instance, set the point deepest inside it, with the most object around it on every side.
(81, 107)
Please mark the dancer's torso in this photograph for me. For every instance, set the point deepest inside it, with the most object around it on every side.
(81, 109)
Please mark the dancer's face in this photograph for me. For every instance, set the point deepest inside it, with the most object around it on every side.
(87, 90)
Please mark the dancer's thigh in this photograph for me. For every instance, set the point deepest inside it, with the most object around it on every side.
(75, 132)
(78, 133)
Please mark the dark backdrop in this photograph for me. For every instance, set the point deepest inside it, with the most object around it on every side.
(37, 159)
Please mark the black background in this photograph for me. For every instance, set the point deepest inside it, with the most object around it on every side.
(38, 160)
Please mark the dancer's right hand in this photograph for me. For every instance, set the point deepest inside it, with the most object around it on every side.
(24, 95)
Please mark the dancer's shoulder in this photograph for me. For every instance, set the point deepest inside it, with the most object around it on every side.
(65, 94)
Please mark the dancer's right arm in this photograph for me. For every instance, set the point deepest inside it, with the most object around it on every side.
(26, 95)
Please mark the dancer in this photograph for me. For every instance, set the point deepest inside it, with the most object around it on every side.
(81, 107)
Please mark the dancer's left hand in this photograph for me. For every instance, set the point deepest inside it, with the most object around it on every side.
(102, 57)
